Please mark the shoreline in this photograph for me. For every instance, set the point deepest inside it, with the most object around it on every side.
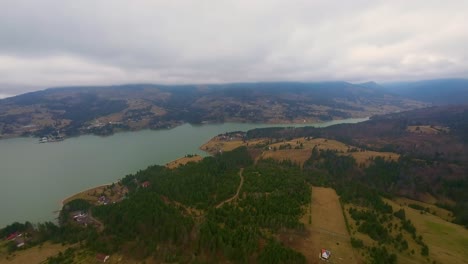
(184, 160)
(69, 198)
(196, 156)
(281, 123)
(178, 161)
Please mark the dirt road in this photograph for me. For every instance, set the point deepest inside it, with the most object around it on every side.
(238, 190)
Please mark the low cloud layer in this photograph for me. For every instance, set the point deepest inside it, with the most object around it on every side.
(54, 43)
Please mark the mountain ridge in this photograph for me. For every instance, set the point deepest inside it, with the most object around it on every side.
(436, 91)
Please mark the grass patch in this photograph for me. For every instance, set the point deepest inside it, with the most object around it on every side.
(440, 228)
(447, 241)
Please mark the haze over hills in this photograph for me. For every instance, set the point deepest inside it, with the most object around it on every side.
(439, 91)
(104, 110)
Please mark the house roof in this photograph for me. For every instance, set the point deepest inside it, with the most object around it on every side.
(102, 257)
(325, 254)
(19, 241)
(146, 184)
(75, 213)
(12, 236)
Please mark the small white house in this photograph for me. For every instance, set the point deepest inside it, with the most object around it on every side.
(102, 257)
(325, 254)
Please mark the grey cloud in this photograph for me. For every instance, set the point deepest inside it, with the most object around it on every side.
(51, 42)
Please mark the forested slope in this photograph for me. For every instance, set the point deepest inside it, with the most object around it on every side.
(433, 145)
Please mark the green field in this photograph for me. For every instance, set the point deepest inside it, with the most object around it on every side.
(448, 242)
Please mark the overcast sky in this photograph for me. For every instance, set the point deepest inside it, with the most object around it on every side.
(46, 43)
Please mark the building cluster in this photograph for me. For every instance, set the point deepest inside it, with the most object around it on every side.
(18, 238)
(81, 218)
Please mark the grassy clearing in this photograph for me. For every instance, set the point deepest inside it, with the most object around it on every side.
(88, 195)
(448, 242)
(325, 228)
(85, 256)
(411, 255)
(431, 208)
(216, 144)
(298, 150)
(114, 194)
(182, 161)
(298, 156)
(440, 228)
(35, 254)
(433, 130)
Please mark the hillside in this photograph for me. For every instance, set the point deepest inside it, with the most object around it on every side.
(219, 209)
(433, 144)
(105, 110)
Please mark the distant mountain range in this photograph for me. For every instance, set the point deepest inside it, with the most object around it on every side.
(104, 110)
(439, 92)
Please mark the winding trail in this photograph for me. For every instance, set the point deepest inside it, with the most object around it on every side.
(100, 226)
(238, 190)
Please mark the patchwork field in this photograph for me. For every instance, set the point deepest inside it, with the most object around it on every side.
(298, 150)
(325, 228)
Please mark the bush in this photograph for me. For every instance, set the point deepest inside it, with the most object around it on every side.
(356, 243)
(274, 252)
(400, 214)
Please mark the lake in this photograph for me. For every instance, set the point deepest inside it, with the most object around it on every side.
(34, 178)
